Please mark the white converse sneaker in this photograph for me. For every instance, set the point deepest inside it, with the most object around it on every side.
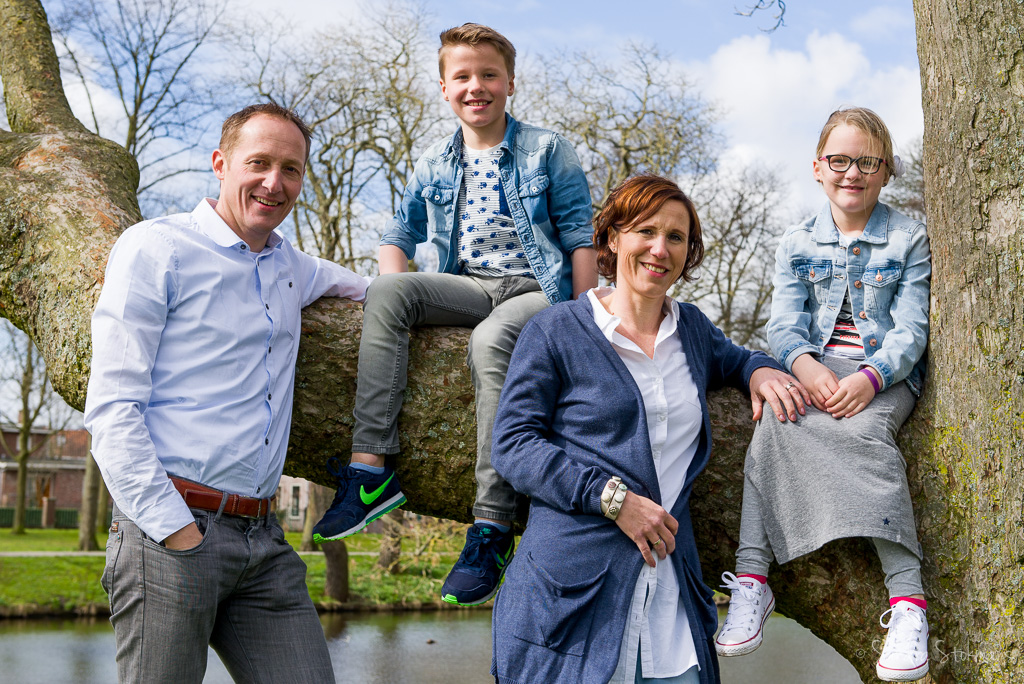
(752, 602)
(905, 654)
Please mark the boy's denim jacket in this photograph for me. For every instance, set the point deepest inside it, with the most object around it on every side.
(886, 270)
(547, 194)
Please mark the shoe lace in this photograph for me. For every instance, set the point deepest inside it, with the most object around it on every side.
(335, 468)
(904, 627)
(748, 597)
(476, 543)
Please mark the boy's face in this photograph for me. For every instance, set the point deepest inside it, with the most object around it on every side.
(477, 84)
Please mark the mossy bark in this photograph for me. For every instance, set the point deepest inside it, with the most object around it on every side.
(970, 433)
(65, 195)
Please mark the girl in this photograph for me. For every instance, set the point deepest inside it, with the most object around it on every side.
(850, 321)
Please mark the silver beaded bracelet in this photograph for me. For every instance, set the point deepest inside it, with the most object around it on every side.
(612, 497)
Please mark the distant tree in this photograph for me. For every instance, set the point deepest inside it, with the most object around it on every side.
(742, 221)
(631, 113)
(367, 92)
(148, 54)
(906, 193)
(23, 379)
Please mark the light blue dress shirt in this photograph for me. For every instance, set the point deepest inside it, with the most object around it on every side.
(194, 345)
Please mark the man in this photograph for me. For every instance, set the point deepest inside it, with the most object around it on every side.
(195, 337)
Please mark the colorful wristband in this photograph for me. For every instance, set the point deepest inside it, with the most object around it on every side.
(872, 378)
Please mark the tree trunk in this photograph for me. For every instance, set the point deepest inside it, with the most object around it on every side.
(65, 195)
(90, 503)
(969, 440)
(319, 499)
(391, 541)
(102, 497)
(18, 526)
(336, 575)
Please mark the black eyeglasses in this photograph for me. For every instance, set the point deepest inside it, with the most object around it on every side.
(841, 163)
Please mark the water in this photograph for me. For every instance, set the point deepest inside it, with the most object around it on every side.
(442, 647)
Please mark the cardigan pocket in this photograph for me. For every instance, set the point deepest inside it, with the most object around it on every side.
(553, 614)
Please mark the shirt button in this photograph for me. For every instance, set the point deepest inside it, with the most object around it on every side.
(268, 306)
(863, 315)
(661, 417)
(878, 277)
(812, 273)
(437, 198)
(270, 349)
(266, 441)
(856, 250)
(269, 396)
(873, 342)
(856, 283)
(289, 283)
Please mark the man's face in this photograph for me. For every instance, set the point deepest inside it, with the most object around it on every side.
(260, 177)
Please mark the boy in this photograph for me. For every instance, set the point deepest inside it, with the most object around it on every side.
(508, 208)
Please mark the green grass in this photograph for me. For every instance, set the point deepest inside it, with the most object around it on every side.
(58, 584)
(42, 540)
(67, 584)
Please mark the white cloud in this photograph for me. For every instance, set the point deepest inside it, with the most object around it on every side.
(774, 101)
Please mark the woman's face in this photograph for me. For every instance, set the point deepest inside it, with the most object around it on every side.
(852, 194)
(650, 254)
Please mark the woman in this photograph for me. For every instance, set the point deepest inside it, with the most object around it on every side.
(608, 395)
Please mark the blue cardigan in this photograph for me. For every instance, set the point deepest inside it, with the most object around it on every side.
(571, 417)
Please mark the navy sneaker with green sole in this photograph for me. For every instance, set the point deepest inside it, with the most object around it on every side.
(362, 497)
(481, 567)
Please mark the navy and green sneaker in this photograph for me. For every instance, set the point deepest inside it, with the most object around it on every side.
(362, 497)
(481, 567)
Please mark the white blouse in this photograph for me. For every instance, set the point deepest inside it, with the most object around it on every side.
(658, 631)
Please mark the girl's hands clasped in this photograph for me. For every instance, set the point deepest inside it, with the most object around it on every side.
(854, 394)
(649, 525)
(821, 382)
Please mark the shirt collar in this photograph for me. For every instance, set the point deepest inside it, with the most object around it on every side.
(875, 231)
(210, 224)
(608, 322)
(455, 142)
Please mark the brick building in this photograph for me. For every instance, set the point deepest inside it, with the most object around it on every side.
(56, 467)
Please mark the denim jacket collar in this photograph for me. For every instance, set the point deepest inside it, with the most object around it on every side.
(455, 142)
(876, 231)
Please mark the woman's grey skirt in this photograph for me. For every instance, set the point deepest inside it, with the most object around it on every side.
(822, 478)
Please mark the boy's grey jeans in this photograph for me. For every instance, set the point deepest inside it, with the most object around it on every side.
(496, 309)
(242, 590)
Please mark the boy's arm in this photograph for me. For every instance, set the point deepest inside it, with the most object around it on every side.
(584, 270)
(391, 259)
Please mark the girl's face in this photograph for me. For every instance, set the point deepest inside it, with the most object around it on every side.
(852, 194)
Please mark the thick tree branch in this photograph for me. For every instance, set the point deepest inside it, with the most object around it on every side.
(33, 93)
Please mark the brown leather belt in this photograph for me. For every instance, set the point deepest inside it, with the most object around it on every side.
(208, 499)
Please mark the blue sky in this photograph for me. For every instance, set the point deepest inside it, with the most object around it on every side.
(774, 90)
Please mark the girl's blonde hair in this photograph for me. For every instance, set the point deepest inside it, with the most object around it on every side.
(867, 122)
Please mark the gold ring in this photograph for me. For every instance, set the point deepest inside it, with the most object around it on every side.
(656, 543)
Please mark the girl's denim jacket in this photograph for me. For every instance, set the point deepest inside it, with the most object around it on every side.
(886, 271)
(547, 193)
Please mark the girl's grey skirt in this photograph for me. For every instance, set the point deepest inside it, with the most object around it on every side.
(822, 478)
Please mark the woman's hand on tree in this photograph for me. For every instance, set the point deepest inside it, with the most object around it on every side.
(649, 525)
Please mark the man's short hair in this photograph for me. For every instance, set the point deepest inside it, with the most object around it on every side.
(473, 35)
(232, 127)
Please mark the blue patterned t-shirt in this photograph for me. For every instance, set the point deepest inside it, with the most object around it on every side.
(489, 243)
